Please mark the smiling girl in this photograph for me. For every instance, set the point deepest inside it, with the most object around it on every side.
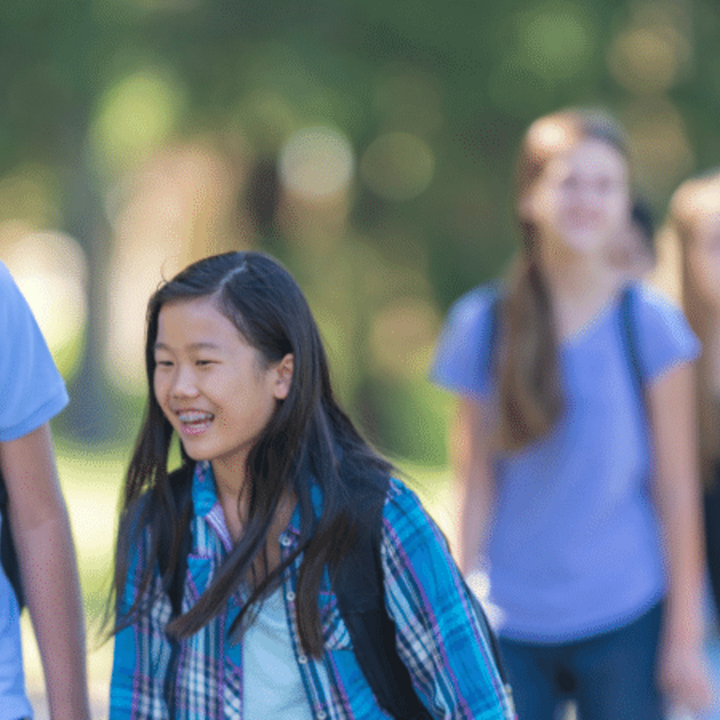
(576, 435)
(232, 572)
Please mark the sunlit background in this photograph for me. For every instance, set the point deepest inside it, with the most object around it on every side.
(369, 145)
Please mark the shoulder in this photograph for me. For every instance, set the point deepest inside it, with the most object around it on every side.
(401, 501)
(475, 307)
(16, 317)
(463, 353)
(5, 277)
(31, 388)
(665, 336)
(12, 301)
(406, 523)
(653, 305)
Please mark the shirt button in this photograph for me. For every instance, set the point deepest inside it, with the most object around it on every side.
(285, 540)
(322, 715)
(291, 596)
(302, 660)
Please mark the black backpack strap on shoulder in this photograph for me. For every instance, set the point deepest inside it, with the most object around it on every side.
(495, 289)
(631, 345)
(176, 585)
(359, 585)
(8, 551)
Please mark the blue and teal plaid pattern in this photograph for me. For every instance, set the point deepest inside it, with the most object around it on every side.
(440, 638)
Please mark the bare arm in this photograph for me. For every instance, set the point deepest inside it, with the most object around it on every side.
(677, 494)
(41, 531)
(471, 461)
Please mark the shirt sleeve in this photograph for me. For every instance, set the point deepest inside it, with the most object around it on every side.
(142, 652)
(463, 354)
(440, 637)
(665, 337)
(31, 389)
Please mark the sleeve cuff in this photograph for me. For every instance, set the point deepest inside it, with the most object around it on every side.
(39, 417)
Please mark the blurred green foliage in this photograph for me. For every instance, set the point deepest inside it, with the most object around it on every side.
(431, 96)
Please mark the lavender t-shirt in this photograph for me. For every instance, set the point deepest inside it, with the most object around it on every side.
(574, 546)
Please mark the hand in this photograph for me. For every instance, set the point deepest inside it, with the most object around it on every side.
(684, 677)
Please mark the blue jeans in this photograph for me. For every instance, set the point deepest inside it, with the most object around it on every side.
(611, 676)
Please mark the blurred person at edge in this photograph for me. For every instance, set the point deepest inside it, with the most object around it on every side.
(31, 393)
(588, 521)
(693, 229)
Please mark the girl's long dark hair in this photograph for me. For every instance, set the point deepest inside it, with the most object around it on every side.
(308, 440)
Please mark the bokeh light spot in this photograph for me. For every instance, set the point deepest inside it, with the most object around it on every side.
(556, 40)
(402, 337)
(317, 163)
(398, 166)
(135, 117)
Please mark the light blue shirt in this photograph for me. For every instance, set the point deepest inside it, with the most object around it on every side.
(31, 392)
(272, 682)
(574, 546)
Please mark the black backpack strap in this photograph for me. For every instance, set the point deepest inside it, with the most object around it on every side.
(359, 586)
(631, 346)
(176, 585)
(8, 552)
(495, 289)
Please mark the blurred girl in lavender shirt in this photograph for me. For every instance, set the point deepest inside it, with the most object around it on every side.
(579, 475)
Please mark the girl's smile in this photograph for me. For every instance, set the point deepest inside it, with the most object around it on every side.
(194, 422)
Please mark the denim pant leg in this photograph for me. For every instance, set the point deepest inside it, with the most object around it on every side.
(531, 673)
(711, 511)
(616, 672)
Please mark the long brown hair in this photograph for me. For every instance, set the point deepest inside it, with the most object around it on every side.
(693, 199)
(531, 398)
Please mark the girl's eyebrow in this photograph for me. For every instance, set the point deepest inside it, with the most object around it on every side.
(192, 346)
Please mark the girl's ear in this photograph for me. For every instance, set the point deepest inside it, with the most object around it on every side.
(283, 377)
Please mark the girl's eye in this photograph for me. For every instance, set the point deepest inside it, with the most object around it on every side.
(164, 363)
(204, 363)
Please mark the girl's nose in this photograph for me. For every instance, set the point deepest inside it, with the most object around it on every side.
(184, 383)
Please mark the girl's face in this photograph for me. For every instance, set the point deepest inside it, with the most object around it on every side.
(704, 256)
(214, 388)
(581, 201)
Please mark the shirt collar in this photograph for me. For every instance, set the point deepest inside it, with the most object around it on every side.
(204, 494)
(205, 498)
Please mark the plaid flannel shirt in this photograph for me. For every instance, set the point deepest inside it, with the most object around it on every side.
(439, 636)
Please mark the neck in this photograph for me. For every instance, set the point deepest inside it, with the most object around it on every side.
(233, 493)
(580, 286)
(231, 484)
(576, 277)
